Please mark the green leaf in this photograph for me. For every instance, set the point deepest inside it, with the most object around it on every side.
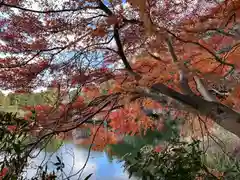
(59, 168)
(86, 178)
(17, 148)
(57, 164)
(130, 175)
(59, 160)
(104, 91)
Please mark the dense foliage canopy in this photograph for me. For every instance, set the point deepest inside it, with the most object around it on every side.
(130, 64)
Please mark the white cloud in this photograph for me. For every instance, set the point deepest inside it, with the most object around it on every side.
(74, 158)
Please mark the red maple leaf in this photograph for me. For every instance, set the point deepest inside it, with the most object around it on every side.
(158, 148)
(3, 172)
(12, 128)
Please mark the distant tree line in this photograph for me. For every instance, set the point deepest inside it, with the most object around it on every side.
(28, 99)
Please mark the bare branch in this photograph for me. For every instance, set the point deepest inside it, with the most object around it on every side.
(220, 93)
(157, 57)
(182, 70)
(203, 90)
(184, 83)
(171, 49)
(116, 35)
(146, 92)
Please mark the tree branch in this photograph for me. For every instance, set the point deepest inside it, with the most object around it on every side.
(116, 35)
(217, 58)
(120, 49)
(182, 70)
(157, 57)
(203, 90)
(219, 113)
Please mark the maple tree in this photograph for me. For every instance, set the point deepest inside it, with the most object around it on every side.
(124, 59)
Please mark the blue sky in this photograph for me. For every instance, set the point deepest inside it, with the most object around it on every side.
(106, 1)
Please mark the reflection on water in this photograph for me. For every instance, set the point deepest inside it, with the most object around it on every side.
(74, 157)
(102, 165)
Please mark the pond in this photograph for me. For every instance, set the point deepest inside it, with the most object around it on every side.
(74, 157)
(102, 165)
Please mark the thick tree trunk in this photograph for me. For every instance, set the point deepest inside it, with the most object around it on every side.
(221, 114)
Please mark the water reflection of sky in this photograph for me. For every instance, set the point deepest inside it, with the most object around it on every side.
(74, 158)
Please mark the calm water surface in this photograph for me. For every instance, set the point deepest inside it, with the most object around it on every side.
(74, 157)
